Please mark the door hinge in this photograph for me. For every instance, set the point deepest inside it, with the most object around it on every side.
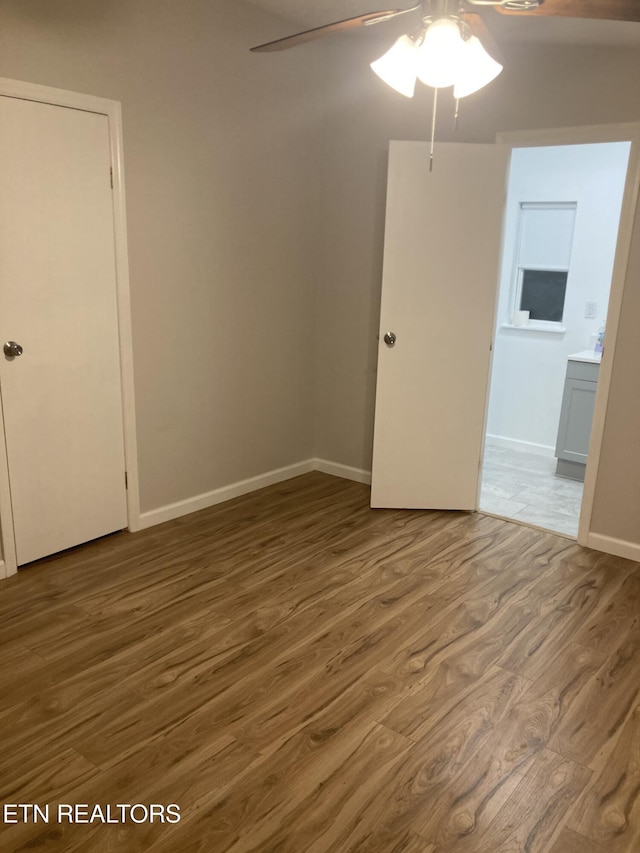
(126, 480)
(111, 176)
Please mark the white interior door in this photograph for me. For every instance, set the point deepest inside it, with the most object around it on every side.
(61, 397)
(443, 239)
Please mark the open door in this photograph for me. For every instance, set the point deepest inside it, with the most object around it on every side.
(442, 251)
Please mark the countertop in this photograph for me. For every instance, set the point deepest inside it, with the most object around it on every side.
(587, 355)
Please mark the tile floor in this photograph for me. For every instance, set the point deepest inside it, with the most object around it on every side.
(523, 486)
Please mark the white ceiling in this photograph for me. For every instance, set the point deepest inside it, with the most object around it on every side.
(305, 14)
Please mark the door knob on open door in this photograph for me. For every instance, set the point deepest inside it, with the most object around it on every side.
(390, 338)
(12, 349)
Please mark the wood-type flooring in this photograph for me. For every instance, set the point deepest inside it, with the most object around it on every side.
(298, 672)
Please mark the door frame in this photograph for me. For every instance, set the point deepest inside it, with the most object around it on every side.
(629, 132)
(113, 111)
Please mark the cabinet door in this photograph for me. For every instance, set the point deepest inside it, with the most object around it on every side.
(576, 416)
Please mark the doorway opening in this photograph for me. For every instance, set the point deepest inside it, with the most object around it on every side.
(560, 236)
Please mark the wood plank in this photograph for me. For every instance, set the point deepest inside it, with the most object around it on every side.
(183, 772)
(608, 813)
(545, 638)
(465, 809)
(590, 729)
(617, 618)
(304, 673)
(41, 729)
(571, 842)
(531, 818)
(339, 770)
(228, 678)
(406, 842)
(435, 760)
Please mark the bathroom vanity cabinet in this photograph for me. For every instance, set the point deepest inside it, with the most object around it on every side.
(576, 416)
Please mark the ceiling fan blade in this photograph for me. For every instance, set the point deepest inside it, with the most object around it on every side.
(479, 29)
(606, 10)
(328, 29)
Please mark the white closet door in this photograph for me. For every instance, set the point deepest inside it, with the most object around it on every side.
(61, 397)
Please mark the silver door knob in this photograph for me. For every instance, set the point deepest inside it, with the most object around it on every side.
(390, 338)
(12, 349)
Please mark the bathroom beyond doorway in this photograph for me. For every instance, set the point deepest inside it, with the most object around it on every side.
(561, 227)
(525, 488)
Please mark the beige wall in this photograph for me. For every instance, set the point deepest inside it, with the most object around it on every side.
(554, 87)
(221, 203)
(256, 190)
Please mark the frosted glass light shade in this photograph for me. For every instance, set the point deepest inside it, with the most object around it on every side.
(476, 68)
(398, 66)
(440, 54)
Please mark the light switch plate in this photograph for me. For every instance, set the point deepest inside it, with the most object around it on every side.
(590, 310)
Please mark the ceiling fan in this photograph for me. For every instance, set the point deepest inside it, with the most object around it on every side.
(612, 10)
(449, 43)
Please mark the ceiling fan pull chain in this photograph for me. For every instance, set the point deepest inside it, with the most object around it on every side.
(433, 128)
(456, 114)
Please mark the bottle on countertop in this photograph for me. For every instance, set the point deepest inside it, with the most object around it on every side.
(599, 340)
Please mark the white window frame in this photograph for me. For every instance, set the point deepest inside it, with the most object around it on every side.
(518, 269)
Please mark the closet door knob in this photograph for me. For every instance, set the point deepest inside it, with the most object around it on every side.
(12, 349)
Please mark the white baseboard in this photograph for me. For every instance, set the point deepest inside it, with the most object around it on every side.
(597, 541)
(8, 568)
(226, 493)
(617, 547)
(522, 446)
(344, 471)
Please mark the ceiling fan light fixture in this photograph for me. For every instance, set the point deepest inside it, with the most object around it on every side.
(476, 70)
(398, 66)
(440, 54)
